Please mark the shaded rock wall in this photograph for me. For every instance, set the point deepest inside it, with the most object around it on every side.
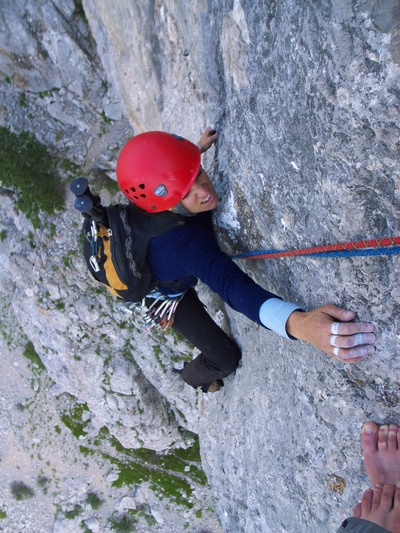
(306, 101)
(44, 280)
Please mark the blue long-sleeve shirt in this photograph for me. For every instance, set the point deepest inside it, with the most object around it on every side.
(191, 252)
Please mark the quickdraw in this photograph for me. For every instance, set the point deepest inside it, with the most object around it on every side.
(155, 313)
(92, 238)
(163, 306)
(93, 244)
(373, 247)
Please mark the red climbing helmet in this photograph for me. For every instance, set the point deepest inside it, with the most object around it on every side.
(155, 170)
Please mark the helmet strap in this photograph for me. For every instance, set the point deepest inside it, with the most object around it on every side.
(180, 210)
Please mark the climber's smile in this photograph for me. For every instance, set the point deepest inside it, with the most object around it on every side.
(202, 195)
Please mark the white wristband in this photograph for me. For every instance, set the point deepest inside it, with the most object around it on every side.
(274, 314)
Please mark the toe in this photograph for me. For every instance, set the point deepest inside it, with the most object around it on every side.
(357, 511)
(383, 437)
(370, 432)
(392, 437)
(376, 498)
(388, 492)
(366, 501)
(396, 501)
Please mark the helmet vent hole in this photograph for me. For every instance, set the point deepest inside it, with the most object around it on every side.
(142, 196)
(136, 197)
(142, 186)
(133, 189)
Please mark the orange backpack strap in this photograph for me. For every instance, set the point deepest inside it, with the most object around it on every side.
(114, 282)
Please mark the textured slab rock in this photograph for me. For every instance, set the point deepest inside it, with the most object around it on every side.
(306, 102)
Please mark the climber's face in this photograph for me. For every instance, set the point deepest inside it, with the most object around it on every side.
(202, 195)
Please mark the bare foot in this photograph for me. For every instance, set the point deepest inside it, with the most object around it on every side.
(381, 506)
(382, 453)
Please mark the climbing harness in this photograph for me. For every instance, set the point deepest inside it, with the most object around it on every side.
(372, 247)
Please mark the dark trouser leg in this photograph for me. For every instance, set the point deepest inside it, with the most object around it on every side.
(358, 525)
(219, 356)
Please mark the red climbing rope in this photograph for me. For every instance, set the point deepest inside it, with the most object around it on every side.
(372, 243)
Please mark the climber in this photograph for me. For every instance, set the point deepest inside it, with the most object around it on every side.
(160, 172)
(379, 509)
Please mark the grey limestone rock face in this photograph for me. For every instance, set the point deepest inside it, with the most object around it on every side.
(305, 97)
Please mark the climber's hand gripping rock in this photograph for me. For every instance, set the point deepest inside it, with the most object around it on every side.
(331, 329)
